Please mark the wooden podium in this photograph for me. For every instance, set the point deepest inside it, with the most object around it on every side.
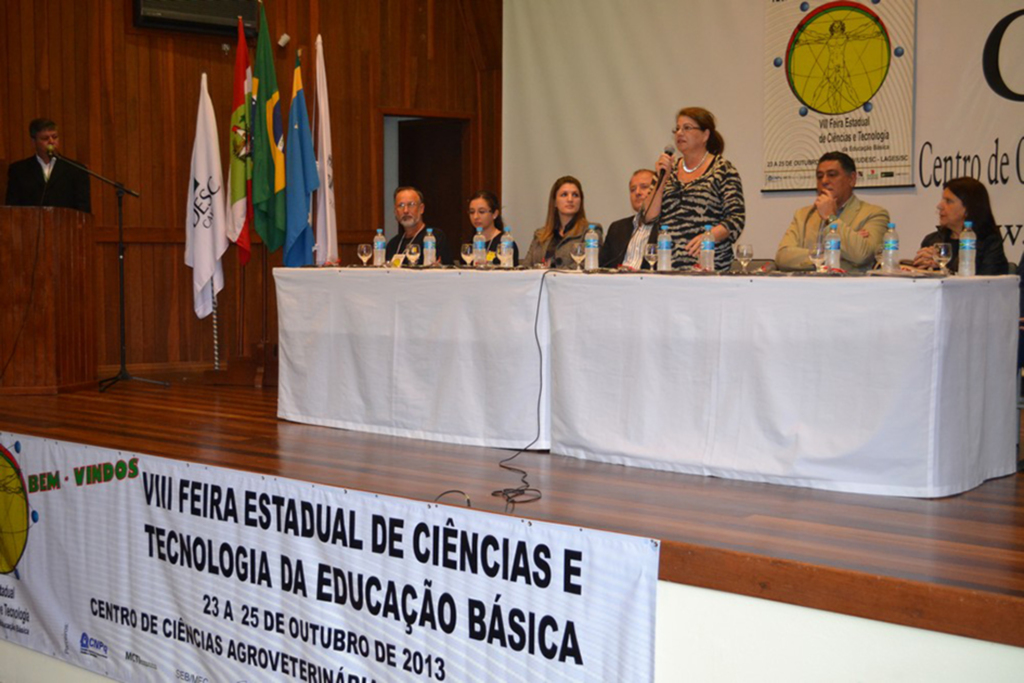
(47, 318)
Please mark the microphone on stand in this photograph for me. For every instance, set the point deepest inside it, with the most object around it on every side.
(51, 152)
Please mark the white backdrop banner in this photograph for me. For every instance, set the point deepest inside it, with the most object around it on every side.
(591, 88)
(146, 569)
(839, 76)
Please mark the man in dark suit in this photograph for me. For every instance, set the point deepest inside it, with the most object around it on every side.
(44, 179)
(615, 251)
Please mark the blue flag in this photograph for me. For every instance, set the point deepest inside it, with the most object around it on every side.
(302, 179)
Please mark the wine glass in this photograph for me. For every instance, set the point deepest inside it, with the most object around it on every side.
(578, 251)
(651, 254)
(943, 255)
(467, 254)
(816, 253)
(744, 254)
(879, 253)
(364, 251)
(413, 254)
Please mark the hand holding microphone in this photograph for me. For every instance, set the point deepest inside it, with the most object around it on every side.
(665, 161)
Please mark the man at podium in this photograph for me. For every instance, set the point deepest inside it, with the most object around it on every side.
(45, 179)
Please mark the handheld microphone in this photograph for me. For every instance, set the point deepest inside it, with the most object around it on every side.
(669, 150)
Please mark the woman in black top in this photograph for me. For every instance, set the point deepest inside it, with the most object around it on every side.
(485, 212)
(965, 199)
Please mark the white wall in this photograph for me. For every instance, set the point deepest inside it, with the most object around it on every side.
(591, 88)
(715, 637)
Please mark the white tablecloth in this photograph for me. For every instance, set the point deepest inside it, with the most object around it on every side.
(444, 355)
(873, 385)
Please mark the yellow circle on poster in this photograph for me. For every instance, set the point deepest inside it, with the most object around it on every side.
(838, 58)
(13, 512)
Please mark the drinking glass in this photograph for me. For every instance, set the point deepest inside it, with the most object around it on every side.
(413, 254)
(467, 254)
(943, 255)
(879, 253)
(651, 254)
(578, 251)
(364, 251)
(817, 255)
(744, 254)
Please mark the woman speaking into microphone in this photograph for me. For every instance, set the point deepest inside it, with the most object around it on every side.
(700, 188)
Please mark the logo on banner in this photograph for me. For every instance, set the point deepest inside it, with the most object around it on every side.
(135, 658)
(14, 511)
(838, 58)
(93, 647)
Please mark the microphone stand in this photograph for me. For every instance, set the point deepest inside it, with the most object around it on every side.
(121, 190)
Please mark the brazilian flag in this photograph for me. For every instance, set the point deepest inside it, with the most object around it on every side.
(268, 177)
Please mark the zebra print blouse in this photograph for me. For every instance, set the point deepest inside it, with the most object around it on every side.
(714, 198)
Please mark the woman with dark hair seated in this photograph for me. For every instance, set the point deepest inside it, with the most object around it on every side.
(566, 224)
(965, 199)
(485, 212)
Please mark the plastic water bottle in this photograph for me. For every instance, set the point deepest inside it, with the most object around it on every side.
(479, 249)
(592, 242)
(429, 248)
(706, 261)
(664, 250)
(506, 248)
(890, 250)
(968, 250)
(380, 247)
(833, 248)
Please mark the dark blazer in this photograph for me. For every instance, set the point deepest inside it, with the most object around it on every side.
(613, 251)
(67, 186)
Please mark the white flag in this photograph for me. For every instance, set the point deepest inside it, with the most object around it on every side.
(326, 217)
(206, 222)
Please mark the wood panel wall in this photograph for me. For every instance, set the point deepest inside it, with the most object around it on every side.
(126, 99)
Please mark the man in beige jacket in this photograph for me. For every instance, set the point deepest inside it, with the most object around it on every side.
(861, 225)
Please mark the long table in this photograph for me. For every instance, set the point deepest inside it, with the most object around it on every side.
(892, 386)
(444, 355)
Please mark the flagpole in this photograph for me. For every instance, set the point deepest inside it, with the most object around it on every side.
(240, 347)
(216, 342)
(261, 370)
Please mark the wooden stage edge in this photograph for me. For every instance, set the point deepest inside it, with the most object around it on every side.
(953, 565)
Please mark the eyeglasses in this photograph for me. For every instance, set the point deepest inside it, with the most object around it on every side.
(402, 206)
(685, 128)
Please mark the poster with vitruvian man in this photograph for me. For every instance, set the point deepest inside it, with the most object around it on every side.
(839, 76)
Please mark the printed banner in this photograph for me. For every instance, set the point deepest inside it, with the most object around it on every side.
(147, 569)
(839, 76)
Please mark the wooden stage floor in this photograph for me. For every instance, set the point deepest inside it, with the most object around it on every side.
(954, 565)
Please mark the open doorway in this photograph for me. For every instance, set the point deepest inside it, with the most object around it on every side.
(432, 155)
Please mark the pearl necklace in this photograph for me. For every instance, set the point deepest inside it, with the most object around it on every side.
(699, 163)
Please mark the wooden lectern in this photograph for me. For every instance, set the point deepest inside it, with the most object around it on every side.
(47, 320)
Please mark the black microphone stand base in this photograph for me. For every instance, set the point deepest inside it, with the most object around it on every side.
(126, 376)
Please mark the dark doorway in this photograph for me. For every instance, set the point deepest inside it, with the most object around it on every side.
(432, 157)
